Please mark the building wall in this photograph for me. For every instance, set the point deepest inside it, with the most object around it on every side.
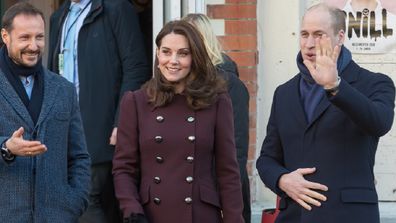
(235, 22)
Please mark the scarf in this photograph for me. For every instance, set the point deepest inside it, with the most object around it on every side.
(13, 71)
(310, 92)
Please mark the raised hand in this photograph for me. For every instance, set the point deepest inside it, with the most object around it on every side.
(324, 70)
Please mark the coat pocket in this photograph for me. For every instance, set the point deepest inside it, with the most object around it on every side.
(209, 195)
(359, 195)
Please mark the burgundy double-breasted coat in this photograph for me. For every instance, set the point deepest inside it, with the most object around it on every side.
(175, 164)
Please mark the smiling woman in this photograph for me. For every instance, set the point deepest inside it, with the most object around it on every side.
(175, 149)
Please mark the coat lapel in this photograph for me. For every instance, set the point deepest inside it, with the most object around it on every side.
(10, 95)
(96, 9)
(51, 89)
(320, 108)
(295, 102)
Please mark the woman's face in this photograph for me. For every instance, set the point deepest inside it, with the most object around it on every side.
(174, 59)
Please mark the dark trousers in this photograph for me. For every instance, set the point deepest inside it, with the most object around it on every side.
(103, 206)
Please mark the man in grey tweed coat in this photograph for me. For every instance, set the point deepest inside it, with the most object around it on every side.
(44, 164)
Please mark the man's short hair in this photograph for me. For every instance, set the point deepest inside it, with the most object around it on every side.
(24, 8)
(336, 14)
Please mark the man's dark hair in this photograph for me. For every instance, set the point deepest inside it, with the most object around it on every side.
(18, 9)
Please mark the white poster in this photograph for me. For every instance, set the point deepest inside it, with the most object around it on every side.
(370, 25)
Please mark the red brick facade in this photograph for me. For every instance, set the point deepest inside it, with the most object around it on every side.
(240, 43)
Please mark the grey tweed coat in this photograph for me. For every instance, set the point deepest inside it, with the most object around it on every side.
(52, 187)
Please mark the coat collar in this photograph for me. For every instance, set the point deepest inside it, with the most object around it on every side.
(60, 15)
(11, 96)
(51, 89)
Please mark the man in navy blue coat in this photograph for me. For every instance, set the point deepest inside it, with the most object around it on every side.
(325, 123)
(109, 59)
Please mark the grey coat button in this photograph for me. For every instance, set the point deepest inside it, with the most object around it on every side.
(157, 180)
(158, 139)
(190, 159)
(188, 200)
(190, 119)
(157, 200)
(191, 138)
(160, 118)
(189, 179)
(159, 159)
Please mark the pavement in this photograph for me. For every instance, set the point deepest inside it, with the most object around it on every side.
(387, 211)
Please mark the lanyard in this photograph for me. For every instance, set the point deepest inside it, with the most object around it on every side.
(72, 24)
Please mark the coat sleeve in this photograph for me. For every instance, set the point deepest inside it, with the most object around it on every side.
(126, 161)
(227, 170)
(79, 162)
(270, 164)
(128, 36)
(372, 110)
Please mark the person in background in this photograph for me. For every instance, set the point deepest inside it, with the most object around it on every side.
(97, 45)
(44, 164)
(239, 97)
(175, 159)
(323, 132)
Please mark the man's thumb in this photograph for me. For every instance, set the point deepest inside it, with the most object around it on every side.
(18, 133)
(305, 171)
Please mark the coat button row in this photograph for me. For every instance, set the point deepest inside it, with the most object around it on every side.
(157, 180)
(159, 159)
(190, 159)
(161, 118)
(157, 201)
(188, 200)
(159, 139)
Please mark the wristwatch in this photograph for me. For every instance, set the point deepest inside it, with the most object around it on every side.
(333, 91)
(6, 153)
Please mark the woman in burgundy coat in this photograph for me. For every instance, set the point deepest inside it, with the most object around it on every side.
(175, 159)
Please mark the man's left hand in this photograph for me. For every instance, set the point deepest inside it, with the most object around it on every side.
(324, 70)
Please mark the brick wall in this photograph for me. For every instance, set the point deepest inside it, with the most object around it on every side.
(240, 43)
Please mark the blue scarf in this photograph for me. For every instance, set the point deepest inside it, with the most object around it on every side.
(310, 92)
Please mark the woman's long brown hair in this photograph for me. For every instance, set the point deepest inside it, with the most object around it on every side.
(202, 85)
